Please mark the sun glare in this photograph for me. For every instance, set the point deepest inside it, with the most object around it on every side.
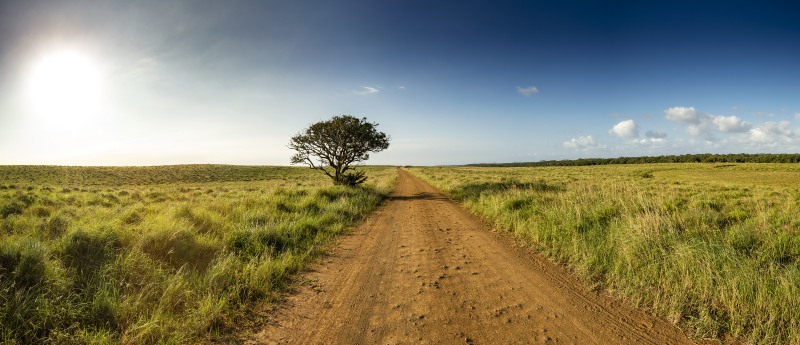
(64, 89)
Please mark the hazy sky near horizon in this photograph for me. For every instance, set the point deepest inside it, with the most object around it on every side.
(171, 82)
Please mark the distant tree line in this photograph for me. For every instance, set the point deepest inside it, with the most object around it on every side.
(688, 158)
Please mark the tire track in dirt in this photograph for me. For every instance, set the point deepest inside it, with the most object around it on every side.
(422, 270)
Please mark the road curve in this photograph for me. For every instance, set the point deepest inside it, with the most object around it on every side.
(422, 270)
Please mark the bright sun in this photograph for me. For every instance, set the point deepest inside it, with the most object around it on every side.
(64, 89)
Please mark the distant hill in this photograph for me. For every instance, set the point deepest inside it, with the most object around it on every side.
(138, 175)
(689, 158)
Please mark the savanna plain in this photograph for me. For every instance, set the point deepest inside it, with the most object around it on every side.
(177, 254)
(713, 248)
(159, 255)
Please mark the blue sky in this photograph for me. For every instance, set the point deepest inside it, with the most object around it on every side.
(157, 82)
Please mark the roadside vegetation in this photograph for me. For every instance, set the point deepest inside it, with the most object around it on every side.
(159, 255)
(687, 158)
(714, 247)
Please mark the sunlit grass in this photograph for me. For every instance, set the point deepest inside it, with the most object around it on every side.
(159, 254)
(712, 247)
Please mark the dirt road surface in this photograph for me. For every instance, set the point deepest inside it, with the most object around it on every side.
(422, 270)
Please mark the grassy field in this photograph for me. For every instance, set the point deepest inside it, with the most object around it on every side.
(147, 255)
(712, 247)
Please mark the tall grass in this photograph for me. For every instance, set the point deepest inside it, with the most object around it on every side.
(714, 248)
(115, 259)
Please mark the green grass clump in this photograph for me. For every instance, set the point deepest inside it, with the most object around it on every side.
(714, 249)
(161, 255)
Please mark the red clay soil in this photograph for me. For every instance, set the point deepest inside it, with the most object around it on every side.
(422, 270)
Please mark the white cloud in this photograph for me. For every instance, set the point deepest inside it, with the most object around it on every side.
(705, 126)
(655, 135)
(682, 114)
(783, 128)
(625, 129)
(731, 124)
(772, 133)
(702, 129)
(797, 116)
(758, 135)
(368, 90)
(527, 91)
(650, 142)
(584, 142)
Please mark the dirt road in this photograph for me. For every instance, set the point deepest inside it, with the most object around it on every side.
(422, 270)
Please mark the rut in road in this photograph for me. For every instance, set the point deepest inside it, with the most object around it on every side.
(422, 270)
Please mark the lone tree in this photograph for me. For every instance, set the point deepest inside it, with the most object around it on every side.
(333, 146)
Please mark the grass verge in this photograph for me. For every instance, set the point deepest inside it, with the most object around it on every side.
(714, 248)
(104, 255)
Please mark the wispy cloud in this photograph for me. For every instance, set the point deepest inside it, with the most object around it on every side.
(527, 91)
(625, 129)
(797, 116)
(655, 135)
(581, 143)
(650, 142)
(368, 90)
(763, 114)
(703, 129)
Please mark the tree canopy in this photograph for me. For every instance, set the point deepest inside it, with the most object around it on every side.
(335, 147)
(687, 158)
